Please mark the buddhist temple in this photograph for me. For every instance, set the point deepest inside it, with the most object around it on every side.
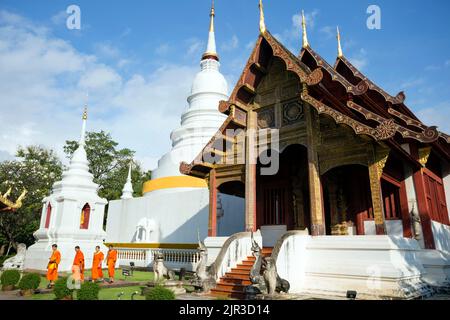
(355, 170)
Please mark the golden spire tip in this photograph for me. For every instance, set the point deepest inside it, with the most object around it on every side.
(212, 15)
(340, 54)
(262, 23)
(305, 35)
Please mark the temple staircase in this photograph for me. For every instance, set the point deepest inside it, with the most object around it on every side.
(232, 284)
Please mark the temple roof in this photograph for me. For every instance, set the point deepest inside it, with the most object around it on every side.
(7, 204)
(341, 92)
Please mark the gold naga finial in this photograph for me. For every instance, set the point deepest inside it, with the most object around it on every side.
(262, 23)
(7, 193)
(212, 15)
(305, 35)
(22, 196)
(338, 36)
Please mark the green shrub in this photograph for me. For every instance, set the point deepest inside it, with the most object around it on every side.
(10, 278)
(61, 290)
(88, 291)
(160, 293)
(30, 281)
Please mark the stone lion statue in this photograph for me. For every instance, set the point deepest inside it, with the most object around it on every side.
(273, 281)
(160, 270)
(17, 261)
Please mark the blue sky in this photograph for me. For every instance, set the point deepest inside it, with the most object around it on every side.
(137, 60)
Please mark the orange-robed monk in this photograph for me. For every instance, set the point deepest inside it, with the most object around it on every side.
(111, 259)
(52, 267)
(97, 272)
(78, 265)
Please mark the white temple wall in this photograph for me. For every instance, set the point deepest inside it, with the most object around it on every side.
(177, 213)
(393, 228)
(233, 220)
(441, 234)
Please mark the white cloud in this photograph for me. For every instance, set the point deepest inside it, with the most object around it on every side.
(43, 81)
(231, 44)
(60, 18)
(328, 31)
(107, 50)
(162, 49)
(195, 47)
(437, 115)
(411, 83)
(359, 59)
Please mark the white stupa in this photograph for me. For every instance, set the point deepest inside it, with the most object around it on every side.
(202, 119)
(72, 215)
(175, 206)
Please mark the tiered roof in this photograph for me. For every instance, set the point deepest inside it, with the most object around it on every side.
(341, 92)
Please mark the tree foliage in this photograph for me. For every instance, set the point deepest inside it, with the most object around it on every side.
(35, 170)
(109, 164)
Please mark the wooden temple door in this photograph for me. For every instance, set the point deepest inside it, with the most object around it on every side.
(275, 204)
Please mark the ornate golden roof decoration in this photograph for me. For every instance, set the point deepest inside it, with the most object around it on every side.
(262, 23)
(10, 205)
(305, 35)
(424, 154)
(338, 36)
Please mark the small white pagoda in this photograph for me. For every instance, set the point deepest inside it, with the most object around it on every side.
(71, 216)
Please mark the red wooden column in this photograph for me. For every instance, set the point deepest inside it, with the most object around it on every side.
(212, 224)
(250, 172)
(422, 205)
(424, 213)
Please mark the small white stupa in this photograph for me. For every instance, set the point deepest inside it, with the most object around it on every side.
(127, 192)
(71, 216)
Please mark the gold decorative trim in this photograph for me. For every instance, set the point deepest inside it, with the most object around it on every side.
(186, 246)
(424, 154)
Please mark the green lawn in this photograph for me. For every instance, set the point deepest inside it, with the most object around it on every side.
(105, 294)
(138, 276)
(110, 293)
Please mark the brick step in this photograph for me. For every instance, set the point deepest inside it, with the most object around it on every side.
(227, 294)
(244, 266)
(244, 275)
(230, 286)
(248, 263)
(229, 280)
(251, 258)
(241, 270)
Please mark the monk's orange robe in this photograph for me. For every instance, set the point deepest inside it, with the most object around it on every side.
(52, 267)
(78, 266)
(111, 262)
(97, 272)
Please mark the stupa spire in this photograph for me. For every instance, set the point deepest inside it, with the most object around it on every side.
(211, 51)
(305, 35)
(83, 127)
(338, 36)
(127, 192)
(262, 23)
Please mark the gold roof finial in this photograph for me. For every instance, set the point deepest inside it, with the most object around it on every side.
(338, 36)
(85, 113)
(212, 15)
(305, 35)
(262, 23)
